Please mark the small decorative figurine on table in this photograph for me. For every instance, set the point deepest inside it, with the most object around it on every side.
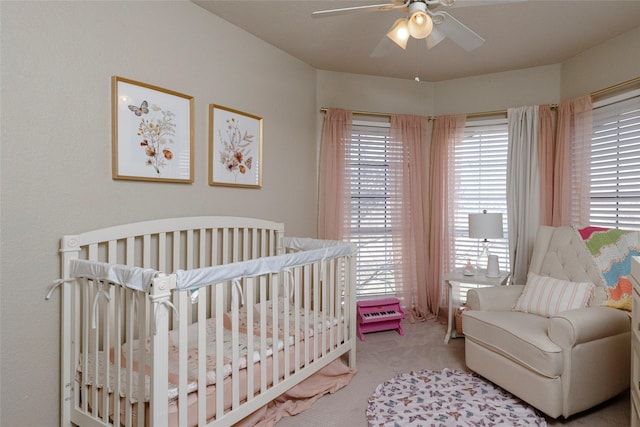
(468, 269)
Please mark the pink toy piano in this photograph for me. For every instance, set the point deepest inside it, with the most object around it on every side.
(380, 314)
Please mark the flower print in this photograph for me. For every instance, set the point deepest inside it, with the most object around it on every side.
(236, 147)
(157, 131)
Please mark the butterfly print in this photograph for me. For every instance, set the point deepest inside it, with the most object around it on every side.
(138, 111)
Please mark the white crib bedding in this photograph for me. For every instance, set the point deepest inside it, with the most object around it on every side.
(192, 350)
(329, 379)
(286, 308)
(192, 361)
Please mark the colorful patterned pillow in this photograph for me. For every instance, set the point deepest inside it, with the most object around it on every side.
(546, 296)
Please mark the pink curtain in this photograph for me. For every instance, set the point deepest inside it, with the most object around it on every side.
(447, 132)
(408, 136)
(333, 199)
(546, 148)
(571, 173)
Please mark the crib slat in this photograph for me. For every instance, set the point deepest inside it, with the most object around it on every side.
(219, 291)
(235, 351)
(263, 333)
(285, 324)
(175, 265)
(316, 304)
(129, 334)
(324, 299)
(250, 294)
(307, 303)
(143, 321)
(296, 321)
(274, 333)
(331, 303)
(202, 252)
(182, 305)
(105, 328)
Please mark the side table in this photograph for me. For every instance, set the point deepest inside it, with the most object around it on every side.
(456, 281)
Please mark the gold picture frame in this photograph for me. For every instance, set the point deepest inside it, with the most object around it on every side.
(152, 133)
(235, 148)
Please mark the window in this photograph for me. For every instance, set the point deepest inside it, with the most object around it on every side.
(615, 162)
(369, 160)
(481, 183)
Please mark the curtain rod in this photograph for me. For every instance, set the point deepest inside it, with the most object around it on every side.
(469, 115)
(363, 113)
(597, 93)
(616, 87)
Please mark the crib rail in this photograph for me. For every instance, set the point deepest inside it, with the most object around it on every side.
(129, 353)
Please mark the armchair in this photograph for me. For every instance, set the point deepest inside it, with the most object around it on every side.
(561, 364)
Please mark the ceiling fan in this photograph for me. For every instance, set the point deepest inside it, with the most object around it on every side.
(424, 21)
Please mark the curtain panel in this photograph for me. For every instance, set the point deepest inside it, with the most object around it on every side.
(523, 188)
(409, 135)
(333, 190)
(448, 131)
(546, 149)
(571, 164)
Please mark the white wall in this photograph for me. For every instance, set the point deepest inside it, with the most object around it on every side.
(57, 61)
(373, 94)
(498, 91)
(610, 63)
(489, 92)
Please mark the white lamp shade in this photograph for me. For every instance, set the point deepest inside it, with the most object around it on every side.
(486, 226)
(420, 25)
(399, 33)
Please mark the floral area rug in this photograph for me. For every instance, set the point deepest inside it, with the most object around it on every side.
(446, 398)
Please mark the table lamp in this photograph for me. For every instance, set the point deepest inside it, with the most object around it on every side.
(486, 226)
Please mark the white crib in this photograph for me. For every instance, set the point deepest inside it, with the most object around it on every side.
(158, 314)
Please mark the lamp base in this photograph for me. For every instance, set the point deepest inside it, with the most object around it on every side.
(483, 259)
(493, 270)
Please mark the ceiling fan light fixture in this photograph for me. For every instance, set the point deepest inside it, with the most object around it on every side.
(420, 25)
(399, 33)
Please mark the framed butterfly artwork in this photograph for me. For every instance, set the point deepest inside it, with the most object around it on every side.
(152, 132)
(235, 148)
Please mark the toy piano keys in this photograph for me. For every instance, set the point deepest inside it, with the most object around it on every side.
(380, 314)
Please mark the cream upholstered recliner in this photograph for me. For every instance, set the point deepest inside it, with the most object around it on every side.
(562, 364)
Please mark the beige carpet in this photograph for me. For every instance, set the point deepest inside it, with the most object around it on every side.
(384, 354)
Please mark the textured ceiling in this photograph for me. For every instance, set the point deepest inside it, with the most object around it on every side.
(518, 34)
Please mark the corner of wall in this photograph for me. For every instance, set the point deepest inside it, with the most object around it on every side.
(604, 65)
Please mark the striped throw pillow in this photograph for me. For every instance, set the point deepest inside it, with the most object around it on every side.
(546, 296)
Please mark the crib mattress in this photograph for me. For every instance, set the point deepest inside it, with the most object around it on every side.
(307, 332)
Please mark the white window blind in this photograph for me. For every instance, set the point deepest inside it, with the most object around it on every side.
(369, 159)
(615, 163)
(481, 183)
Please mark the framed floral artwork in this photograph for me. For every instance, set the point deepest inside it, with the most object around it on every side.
(235, 148)
(152, 132)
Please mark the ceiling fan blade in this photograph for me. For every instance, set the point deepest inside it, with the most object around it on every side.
(435, 37)
(462, 35)
(384, 48)
(470, 3)
(366, 8)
